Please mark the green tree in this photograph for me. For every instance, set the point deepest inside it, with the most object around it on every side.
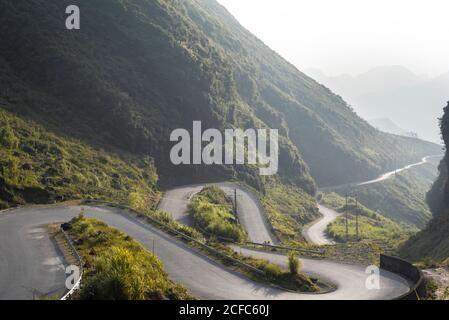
(293, 262)
(7, 138)
(12, 171)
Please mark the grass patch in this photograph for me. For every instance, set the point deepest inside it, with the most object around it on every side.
(212, 212)
(118, 267)
(272, 273)
(39, 167)
(288, 209)
(372, 225)
(402, 198)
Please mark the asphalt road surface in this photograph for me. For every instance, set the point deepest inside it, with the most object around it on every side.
(316, 233)
(30, 262)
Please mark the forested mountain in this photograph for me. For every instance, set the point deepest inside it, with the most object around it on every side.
(38, 167)
(433, 242)
(137, 69)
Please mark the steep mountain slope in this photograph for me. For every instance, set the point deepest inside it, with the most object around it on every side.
(337, 144)
(138, 69)
(379, 79)
(403, 197)
(38, 167)
(433, 242)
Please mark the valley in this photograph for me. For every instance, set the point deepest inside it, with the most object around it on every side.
(211, 166)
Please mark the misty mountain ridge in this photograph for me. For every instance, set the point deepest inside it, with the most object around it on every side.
(378, 79)
(412, 101)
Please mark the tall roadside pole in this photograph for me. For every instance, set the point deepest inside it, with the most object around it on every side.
(235, 202)
(346, 216)
(357, 218)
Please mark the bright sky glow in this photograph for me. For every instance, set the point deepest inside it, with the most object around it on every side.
(351, 36)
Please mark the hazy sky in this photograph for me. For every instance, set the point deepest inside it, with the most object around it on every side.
(351, 36)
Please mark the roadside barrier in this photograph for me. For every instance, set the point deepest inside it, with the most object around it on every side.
(406, 270)
(77, 285)
(183, 236)
(270, 246)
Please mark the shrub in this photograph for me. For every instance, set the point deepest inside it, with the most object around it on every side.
(293, 262)
(119, 278)
(118, 267)
(215, 219)
(272, 270)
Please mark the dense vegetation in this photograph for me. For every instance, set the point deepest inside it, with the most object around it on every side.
(288, 209)
(137, 69)
(212, 212)
(117, 267)
(38, 167)
(433, 241)
(372, 225)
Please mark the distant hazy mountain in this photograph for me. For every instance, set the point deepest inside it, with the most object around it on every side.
(411, 101)
(386, 125)
(380, 79)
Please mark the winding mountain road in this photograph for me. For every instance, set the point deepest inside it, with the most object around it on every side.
(350, 279)
(249, 209)
(31, 263)
(316, 232)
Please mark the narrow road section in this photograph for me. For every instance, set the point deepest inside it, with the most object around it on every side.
(176, 203)
(350, 279)
(316, 232)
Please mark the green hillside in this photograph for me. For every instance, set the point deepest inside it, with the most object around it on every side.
(372, 225)
(401, 198)
(138, 69)
(38, 167)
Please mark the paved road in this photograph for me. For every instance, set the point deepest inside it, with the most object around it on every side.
(176, 201)
(315, 233)
(382, 177)
(388, 175)
(29, 260)
(350, 279)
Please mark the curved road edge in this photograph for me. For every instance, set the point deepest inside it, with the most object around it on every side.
(350, 279)
(28, 257)
(316, 231)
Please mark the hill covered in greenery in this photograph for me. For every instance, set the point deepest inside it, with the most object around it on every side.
(402, 197)
(38, 167)
(138, 69)
(212, 212)
(433, 242)
(372, 225)
(117, 267)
